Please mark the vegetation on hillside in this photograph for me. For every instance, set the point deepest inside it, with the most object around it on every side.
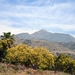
(53, 47)
(36, 58)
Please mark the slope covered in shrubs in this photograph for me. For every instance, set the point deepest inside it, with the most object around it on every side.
(36, 58)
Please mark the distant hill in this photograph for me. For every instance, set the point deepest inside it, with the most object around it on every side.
(70, 45)
(45, 35)
(23, 36)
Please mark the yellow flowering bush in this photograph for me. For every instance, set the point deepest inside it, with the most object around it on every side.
(24, 54)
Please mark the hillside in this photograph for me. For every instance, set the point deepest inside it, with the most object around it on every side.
(53, 47)
(70, 45)
(23, 57)
(45, 35)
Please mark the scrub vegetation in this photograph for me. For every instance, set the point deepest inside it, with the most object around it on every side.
(27, 60)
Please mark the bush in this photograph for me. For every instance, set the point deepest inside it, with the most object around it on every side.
(65, 63)
(32, 57)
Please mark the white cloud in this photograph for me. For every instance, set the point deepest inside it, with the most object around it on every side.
(39, 14)
(5, 28)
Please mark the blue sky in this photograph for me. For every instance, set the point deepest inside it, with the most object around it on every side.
(57, 16)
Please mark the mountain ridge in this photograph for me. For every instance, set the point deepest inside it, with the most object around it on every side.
(45, 35)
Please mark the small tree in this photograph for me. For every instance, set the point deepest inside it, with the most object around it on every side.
(3, 48)
(9, 38)
(6, 42)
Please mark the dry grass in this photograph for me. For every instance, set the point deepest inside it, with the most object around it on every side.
(32, 72)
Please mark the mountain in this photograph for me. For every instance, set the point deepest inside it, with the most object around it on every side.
(45, 35)
(23, 36)
(54, 47)
(40, 34)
